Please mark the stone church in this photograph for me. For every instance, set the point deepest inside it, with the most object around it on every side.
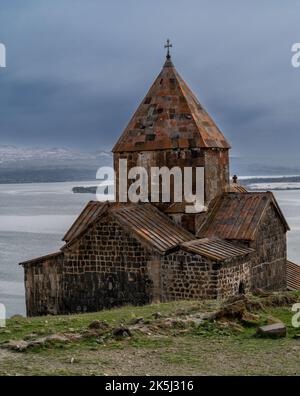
(123, 253)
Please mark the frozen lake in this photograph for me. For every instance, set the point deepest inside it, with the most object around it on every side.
(35, 217)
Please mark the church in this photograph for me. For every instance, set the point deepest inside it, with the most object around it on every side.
(147, 252)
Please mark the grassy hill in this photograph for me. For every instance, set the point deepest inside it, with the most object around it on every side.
(178, 338)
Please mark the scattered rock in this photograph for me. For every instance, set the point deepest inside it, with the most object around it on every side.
(98, 325)
(205, 315)
(157, 315)
(22, 345)
(232, 310)
(73, 337)
(271, 320)
(30, 336)
(275, 330)
(280, 299)
(121, 332)
(137, 320)
(231, 326)
(250, 319)
(18, 346)
(197, 321)
(181, 312)
(140, 329)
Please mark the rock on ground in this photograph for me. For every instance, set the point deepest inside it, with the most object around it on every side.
(275, 330)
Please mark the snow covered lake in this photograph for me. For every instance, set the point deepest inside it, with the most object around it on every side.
(35, 217)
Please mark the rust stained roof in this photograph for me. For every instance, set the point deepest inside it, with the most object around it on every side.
(215, 249)
(89, 215)
(170, 116)
(238, 215)
(144, 220)
(292, 276)
(235, 187)
(151, 225)
(42, 259)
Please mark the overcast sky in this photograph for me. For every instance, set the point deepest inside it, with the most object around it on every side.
(77, 69)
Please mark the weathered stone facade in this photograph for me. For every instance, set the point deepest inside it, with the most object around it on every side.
(108, 266)
(136, 276)
(110, 276)
(44, 285)
(190, 276)
(214, 161)
(90, 278)
(269, 271)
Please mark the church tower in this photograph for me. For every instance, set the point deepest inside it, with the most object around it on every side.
(171, 128)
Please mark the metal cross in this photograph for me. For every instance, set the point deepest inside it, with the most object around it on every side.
(168, 45)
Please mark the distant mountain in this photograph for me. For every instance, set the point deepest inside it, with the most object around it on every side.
(27, 165)
(244, 166)
(12, 155)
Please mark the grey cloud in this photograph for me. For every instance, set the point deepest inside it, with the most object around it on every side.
(77, 69)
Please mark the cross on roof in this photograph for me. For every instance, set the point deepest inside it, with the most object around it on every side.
(168, 45)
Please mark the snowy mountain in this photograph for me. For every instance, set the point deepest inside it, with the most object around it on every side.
(22, 164)
(12, 155)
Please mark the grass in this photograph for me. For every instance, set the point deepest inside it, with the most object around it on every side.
(214, 348)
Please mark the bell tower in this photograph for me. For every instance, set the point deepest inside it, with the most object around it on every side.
(171, 128)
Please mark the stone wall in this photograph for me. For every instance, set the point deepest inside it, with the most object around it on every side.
(234, 276)
(107, 267)
(215, 162)
(269, 270)
(216, 173)
(190, 276)
(44, 285)
(187, 276)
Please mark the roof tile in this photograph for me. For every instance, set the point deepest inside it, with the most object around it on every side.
(170, 106)
(215, 249)
(292, 275)
(237, 215)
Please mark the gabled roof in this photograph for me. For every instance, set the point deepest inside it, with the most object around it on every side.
(145, 221)
(292, 276)
(170, 116)
(238, 215)
(89, 215)
(215, 249)
(152, 226)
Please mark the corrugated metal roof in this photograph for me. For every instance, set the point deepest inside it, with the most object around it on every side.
(170, 116)
(151, 225)
(215, 249)
(42, 259)
(237, 215)
(292, 276)
(144, 220)
(90, 213)
(235, 187)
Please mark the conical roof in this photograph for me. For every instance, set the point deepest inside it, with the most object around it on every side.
(170, 116)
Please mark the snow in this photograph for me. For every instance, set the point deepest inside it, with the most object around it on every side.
(12, 154)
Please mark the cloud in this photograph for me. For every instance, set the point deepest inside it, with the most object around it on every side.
(77, 69)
